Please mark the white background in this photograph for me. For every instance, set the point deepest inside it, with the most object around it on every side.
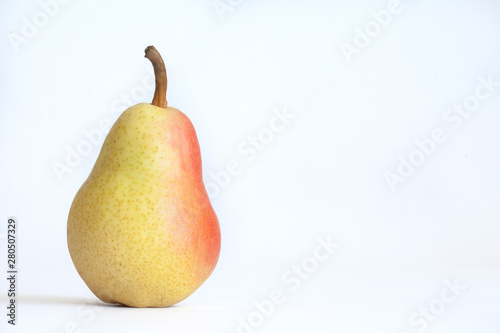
(324, 175)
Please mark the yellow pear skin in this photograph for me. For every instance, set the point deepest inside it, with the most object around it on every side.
(141, 229)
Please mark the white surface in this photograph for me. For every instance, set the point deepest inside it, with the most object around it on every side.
(321, 175)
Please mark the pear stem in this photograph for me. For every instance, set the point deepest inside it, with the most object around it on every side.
(160, 96)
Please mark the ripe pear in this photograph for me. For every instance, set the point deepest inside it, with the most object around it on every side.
(141, 229)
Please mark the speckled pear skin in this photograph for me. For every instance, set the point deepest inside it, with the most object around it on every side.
(141, 229)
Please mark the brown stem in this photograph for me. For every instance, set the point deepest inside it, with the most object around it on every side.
(160, 96)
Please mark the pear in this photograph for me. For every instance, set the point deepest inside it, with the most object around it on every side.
(141, 229)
